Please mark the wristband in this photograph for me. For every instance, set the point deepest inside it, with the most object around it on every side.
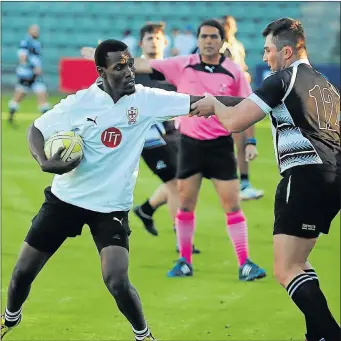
(251, 140)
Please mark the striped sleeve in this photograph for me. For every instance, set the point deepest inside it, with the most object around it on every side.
(270, 93)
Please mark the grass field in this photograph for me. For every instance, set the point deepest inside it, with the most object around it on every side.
(69, 301)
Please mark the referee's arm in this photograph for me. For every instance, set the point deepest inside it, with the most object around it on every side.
(142, 65)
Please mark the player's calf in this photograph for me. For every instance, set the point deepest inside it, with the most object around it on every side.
(43, 108)
(13, 107)
(115, 262)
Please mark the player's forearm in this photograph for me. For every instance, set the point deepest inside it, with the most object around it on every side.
(142, 65)
(250, 132)
(229, 101)
(228, 118)
(36, 144)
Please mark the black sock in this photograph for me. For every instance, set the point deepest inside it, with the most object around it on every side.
(312, 333)
(147, 209)
(311, 301)
(244, 177)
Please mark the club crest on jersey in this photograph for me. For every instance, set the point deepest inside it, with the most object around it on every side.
(223, 88)
(132, 114)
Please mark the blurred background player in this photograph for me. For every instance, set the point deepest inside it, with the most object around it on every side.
(159, 155)
(234, 49)
(29, 73)
(206, 148)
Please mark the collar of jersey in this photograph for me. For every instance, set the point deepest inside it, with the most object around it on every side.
(300, 61)
(222, 58)
(105, 98)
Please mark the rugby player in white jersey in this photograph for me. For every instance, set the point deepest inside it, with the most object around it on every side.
(112, 117)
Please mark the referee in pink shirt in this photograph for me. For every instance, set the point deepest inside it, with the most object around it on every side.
(206, 147)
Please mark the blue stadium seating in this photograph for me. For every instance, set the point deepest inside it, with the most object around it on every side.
(66, 25)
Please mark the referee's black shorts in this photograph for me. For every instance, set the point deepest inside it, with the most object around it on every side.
(307, 200)
(58, 220)
(214, 159)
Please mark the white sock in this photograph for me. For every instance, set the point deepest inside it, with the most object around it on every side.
(140, 335)
(12, 317)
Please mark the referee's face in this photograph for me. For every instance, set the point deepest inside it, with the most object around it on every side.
(209, 41)
(119, 73)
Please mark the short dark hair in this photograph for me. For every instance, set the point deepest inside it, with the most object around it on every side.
(286, 31)
(213, 23)
(106, 46)
(151, 28)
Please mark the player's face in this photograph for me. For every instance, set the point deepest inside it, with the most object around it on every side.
(209, 41)
(153, 44)
(230, 26)
(271, 55)
(35, 32)
(120, 72)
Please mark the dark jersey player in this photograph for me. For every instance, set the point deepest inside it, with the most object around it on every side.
(304, 110)
(159, 151)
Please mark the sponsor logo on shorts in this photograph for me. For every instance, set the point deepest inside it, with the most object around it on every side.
(111, 137)
(308, 227)
(161, 165)
(120, 221)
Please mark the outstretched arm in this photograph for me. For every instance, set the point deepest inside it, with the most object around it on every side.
(244, 113)
(206, 109)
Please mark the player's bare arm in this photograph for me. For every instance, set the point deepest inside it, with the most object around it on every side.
(22, 58)
(236, 119)
(54, 165)
(206, 108)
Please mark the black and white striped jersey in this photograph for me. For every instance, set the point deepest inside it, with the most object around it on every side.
(304, 109)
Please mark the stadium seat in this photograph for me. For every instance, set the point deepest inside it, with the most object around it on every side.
(67, 25)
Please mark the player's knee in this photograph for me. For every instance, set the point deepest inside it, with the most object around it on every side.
(116, 283)
(187, 206)
(230, 203)
(22, 276)
(281, 274)
(187, 203)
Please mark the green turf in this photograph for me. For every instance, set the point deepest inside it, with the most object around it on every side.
(69, 301)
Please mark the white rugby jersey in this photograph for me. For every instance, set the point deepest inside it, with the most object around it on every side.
(113, 135)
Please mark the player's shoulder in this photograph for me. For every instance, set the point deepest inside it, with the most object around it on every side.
(231, 66)
(282, 76)
(142, 91)
(80, 99)
(23, 44)
(184, 61)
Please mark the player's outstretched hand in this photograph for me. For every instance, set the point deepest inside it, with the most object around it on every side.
(250, 152)
(56, 165)
(203, 107)
(88, 52)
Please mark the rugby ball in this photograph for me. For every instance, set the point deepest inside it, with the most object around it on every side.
(69, 140)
